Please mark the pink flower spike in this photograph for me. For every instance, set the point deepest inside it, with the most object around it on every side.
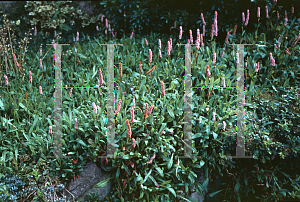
(214, 116)
(258, 12)
(243, 17)
(132, 114)
(159, 44)
(35, 32)
(119, 106)
(77, 39)
(50, 129)
(224, 125)
(267, 12)
(162, 88)
(191, 36)
(131, 35)
(133, 140)
(95, 108)
(215, 58)
(150, 53)
(6, 80)
(41, 92)
(133, 101)
(223, 80)
(41, 64)
(106, 23)
(146, 42)
(203, 19)
(292, 10)
(150, 111)
(41, 52)
(180, 33)
(30, 77)
(76, 123)
(97, 28)
(102, 18)
(70, 92)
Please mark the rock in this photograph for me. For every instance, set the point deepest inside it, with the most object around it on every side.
(88, 178)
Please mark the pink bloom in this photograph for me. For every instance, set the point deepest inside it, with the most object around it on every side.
(133, 146)
(35, 32)
(109, 28)
(70, 92)
(275, 1)
(201, 39)
(203, 30)
(50, 129)
(279, 42)
(223, 82)
(203, 19)
(162, 88)
(292, 10)
(146, 111)
(106, 23)
(258, 12)
(272, 60)
(224, 125)
(30, 77)
(131, 35)
(150, 111)
(198, 44)
(150, 52)
(41, 92)
(76, 123)
(119, 106)
(245, 64)
(75, 50)
(131, 164)
(73, 38)
(151, 159)
(215, 58)
(169, 48)
(198, 34)
(226, 40)
(296, 40)
(77, 39)
(16, 62)
(171, 43)
(97, 28)
(223, 52)
(180, 33)
(6, 80)
(191, 36)
(159, 53)
(214, 116)
(95, 108)
(100, 82)
(102, 18)
(215, 24)
(275, 45)
(159, 44)
(267, 12)
(41, 52)
(243, 17)
(41, 64)
(53, 44)
(146, 42)
(157, 185)
(248, 15)
(54, 33)
(132, 114)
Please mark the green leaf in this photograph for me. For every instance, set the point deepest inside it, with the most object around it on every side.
(159, 170)
(166, 182)
(170, 163)
(207, 129)
(214, 193)
(65, 27)
(202, 163)
(171, 112)
(236, 187)
(147, 176)
(189, 200)
(215, 135)
(102, 183)
(172, 191)
(142, 84)
(81, 142)
(34, 123)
